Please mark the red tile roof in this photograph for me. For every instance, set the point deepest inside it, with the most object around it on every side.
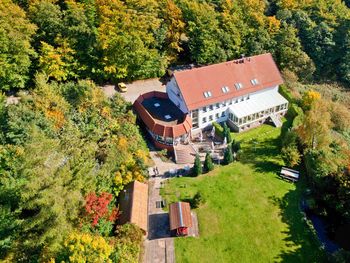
(134, 204)
(194, 82)
(156, 126)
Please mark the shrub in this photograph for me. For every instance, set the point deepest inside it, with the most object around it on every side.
(208, 163)
(197, 200)
(291, 155)
(219, 130)
(227, 133)
(163, 155)
(283, 90)
(228, 157)
(236, 146)
(197, 166)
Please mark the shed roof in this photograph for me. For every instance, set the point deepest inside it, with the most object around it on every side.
(180, 215)
(133, 203)
(249, 75)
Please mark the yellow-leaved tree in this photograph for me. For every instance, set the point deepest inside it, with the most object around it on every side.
(84, 247)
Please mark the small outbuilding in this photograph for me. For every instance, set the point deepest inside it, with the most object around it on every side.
(133, 204)
(289, 174)
(180, 218)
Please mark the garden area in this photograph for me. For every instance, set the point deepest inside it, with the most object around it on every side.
(246, 212)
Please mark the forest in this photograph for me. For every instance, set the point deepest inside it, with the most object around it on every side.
(66, 151)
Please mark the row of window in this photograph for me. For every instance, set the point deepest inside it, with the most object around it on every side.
(211, 117)
(224, 104)
(255, 116)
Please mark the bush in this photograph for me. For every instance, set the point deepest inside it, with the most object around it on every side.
(236, 146)
(291, 155)
(283, 90)
(197, 166)
(294, 110)
(227, 133)
(228, 157)
(197, 200)
(219, 130)
(163, 155)
(208, 163)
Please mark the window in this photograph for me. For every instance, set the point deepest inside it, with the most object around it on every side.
(211, 118)
(223, 114)
(204, 119)
(236, 101)
(207, 94)
(242, 99)
(217, 115)
(254, 82)
(217, 105)
(225, 89)
(211, 107)
(204, 109)
(238, 86)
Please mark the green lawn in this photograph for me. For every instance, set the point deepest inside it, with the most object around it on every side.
(249, 215)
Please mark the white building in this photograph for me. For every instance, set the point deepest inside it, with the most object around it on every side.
(242, 92)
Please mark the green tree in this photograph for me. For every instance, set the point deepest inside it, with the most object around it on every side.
(127, 41)
(290, 55)
(203, 32)
(227, 133)
(228, 156)
(16, 52)
(57, 63)
(208, 163)
(48, 17)
(197, 166)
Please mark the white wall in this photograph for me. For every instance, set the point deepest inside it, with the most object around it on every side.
(175, 95)
(222, 108)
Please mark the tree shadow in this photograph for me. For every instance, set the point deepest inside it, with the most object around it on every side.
(158, 226)
(305, 246)
(263, 155)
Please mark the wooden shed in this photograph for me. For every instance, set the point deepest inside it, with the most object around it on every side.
(180, 218)
(133, 204)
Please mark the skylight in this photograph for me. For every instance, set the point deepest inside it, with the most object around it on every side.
(225, 89)
(156, 105)
(238, 85)
(254, 82)
(207, 94)
(167, 117)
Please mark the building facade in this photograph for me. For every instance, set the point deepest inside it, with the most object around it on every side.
(243, 93)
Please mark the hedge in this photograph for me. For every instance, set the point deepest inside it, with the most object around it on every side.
(285, 93)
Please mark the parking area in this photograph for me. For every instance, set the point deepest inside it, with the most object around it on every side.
(135, 88)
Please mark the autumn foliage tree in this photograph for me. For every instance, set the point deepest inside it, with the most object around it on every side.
(98, 207)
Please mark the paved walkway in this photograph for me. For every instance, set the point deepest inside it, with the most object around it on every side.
(159, 247)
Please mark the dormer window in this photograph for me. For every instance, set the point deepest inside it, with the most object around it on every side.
(225, 89)
(254, 82)
(207, 94)
(238, 85)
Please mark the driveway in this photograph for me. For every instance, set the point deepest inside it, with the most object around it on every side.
(135, 88)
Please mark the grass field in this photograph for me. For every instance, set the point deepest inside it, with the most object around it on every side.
(249, 215)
